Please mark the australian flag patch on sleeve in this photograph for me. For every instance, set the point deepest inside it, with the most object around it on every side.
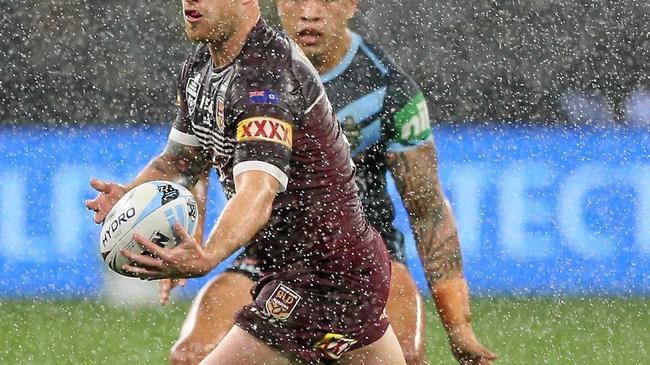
(263, 97)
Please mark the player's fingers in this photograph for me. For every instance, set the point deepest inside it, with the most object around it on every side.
(489, 355)
(99, 185)
(166, 286)
(143, 260)
(142, 272)
(479, 360)
(92, 204)
(152, 247)
(484, 354)
(181, 233)
(99, 215)
(182, 282)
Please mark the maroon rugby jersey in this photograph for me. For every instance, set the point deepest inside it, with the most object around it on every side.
(268, 111)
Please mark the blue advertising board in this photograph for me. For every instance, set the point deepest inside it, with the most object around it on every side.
(539, 210)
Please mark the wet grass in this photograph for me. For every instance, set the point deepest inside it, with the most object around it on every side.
(558, 331)
(520, 330)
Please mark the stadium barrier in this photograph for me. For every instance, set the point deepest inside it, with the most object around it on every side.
(541, 210)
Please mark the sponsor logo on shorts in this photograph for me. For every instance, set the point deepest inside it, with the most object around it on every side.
(334, 345)
(265, 129)
(282, 302)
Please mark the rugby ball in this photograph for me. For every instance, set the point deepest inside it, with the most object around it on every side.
(150, 209)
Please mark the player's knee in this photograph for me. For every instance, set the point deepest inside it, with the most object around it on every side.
(188, 353)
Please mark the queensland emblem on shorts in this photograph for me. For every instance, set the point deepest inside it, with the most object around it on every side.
(265, 129)
(282, 302)
(334, 345)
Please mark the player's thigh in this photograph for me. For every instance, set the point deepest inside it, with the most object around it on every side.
(385, 350)
(406, 312)
(212, 314)
(239, 347)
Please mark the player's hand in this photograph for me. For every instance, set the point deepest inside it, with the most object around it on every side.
(187, 260)
(109, 194)
(468, 350)
(166, 286)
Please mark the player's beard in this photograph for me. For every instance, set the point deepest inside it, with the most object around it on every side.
(217, 33)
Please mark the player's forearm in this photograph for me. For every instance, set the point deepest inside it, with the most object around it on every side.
(439, 248)
(170, 168)
(437, 242)
(242, 217)
(416, 176)
(452, 302)
(157, 169)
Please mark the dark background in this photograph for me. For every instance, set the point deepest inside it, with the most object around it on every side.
(75, 61)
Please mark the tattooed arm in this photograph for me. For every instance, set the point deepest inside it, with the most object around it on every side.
(178, 162)
(416, 175)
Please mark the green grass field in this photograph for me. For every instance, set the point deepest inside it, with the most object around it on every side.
(521, 331)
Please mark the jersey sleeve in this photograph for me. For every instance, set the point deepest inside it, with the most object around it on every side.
(265, 114)
(407, 115)
(181, 130)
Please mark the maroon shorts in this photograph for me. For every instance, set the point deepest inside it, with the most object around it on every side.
(319, 315)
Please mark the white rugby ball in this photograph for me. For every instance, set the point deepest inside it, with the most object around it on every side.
(150, 209)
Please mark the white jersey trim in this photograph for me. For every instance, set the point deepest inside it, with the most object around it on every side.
(270, 169)
(322, 93)
(184, 138)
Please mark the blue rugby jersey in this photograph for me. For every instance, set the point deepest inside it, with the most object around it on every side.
(381, 110)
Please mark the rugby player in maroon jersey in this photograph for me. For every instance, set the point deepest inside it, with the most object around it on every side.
(252, 106)
(351, 70)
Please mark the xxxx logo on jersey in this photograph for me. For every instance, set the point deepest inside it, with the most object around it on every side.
(334, 345)
(265, 129)
(282, 302)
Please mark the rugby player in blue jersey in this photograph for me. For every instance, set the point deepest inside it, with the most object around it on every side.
(384, 116)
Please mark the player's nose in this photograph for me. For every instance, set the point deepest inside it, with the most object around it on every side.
(312, 10)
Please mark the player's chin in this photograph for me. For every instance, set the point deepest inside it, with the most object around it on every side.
(311, 50)
(195, 33)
